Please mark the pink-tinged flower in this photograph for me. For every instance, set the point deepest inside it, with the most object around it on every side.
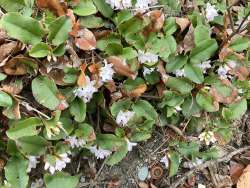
(211, 12)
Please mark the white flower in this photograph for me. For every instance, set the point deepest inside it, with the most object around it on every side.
(75, 142)
(143, 5)
(208, 137)
(165, 161)
(201, 186)
(99, 153)
(211, 12)
(32, 162)
(119, 4)
(60, 163)
(222, 71)
(147, 57)
(106, 72)
(192, 164)
(147, 70)
(130, 145)
(180, 72)
(123, 117)
(86, 92)
(205, 65)
(38, 183)
(178, 108)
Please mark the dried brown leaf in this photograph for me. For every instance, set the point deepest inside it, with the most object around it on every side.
(121, 67)
(54, 5)
(182, 22)
(143, 185)
(20, 65)
(236, 169)
(188, 42)
(85, 40)
(7, 49)
(137, 92)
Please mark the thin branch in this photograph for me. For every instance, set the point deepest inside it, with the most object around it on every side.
(30, 108)
(238, 30)
(230, 17)
(225, 158)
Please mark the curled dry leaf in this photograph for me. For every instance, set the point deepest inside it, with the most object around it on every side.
(115, 183)
(121, 67)
(54, 5)
(20, 65)
(137, 92)
(219, 97)
(8, 49)
(162, 71)
(244, 180)
(55, 74)
(188, 42)
(13, 88)
(85, 40)
(236, 169)
(157, 21)
(82, 77)
(156, 172)
(75, 23)
(182, 22)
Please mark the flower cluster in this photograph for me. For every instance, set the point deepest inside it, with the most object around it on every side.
(60, 163)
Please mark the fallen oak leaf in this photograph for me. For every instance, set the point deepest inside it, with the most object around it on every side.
(236, 169)
(183, 23)
(54, 5)
(85, 40)
(20, 65)
(121, 67)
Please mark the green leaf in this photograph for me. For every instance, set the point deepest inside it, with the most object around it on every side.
(190, 107)
(240, 44)
(39, 50)
(117, 156)
(12, 5)
(78, 110)
(5, 99)
(171, 98)
(194, 73)
(32, 145)
(59, 50)
(15, 172)
(45, 92)
(203, 51)
(91, 22)
(61, 179)
(206, 101)
(201, 33)
(188, 149)
(25, 29)
(176, 62)
(179, 84)
(104, 8)
(145, 109)
(123, 104)
(2, 76)
(174, 158)
(85, 8)
(109, 141)
(114, 49)
(235, 110)
(59, 29)
(128, 53)
(170, 26)
(26, 127)
(133, 25)
(86, 132)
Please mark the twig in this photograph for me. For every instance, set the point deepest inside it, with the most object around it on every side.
(226, 158)
(238, 30)
(175, 129)
(30, 108)
(230, 17)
